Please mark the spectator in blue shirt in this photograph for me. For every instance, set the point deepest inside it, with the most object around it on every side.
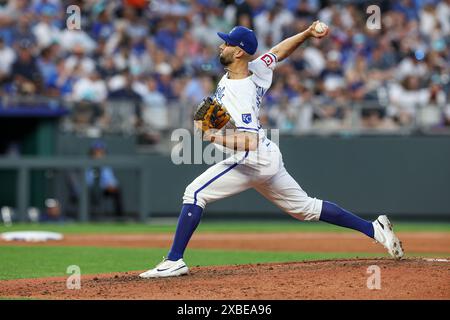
(408, 8)
(167, 36)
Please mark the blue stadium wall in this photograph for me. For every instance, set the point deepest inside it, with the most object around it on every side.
(400, 175)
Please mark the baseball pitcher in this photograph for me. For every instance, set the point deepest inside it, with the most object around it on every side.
(256, 161)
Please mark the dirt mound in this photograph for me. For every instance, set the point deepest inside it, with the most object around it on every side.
(336, 279)
(417, 242)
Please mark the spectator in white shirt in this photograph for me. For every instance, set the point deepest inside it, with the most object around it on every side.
(271, 23)
(71, 38)
(89, 94)
(45, 32)
(443, 14)
(79, 58)
(7, 57)
(91, 88)
(154, 113)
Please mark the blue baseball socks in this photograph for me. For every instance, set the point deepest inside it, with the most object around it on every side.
(191, 214)
(334, 214)
(187, 223)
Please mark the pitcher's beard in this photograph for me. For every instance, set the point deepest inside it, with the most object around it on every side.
(224, 61)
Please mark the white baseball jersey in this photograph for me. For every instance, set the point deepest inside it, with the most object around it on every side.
(262, 169)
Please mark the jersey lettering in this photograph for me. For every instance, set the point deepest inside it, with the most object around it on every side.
(220, 92)
(259, 95)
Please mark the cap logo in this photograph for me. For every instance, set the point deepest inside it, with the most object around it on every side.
(242, 44)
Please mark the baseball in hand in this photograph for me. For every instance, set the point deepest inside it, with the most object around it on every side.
(320, 27)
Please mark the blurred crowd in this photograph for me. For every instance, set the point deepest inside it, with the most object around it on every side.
(156, 59)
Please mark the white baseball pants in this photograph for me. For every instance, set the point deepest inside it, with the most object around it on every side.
(262, 170)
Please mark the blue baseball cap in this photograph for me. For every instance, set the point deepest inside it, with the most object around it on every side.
(242, 37)
(98, 145)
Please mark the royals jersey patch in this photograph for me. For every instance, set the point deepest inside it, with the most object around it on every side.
(247, 118)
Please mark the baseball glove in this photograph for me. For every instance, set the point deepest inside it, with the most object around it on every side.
(212, 114)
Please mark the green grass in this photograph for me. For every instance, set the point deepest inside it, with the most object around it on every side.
(37, 261)
(236, 226)
(42, 261)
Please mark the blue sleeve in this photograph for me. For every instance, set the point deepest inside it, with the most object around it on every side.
(89, 177)
(107, 178)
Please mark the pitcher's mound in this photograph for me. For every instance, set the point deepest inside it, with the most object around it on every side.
(327, 279)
